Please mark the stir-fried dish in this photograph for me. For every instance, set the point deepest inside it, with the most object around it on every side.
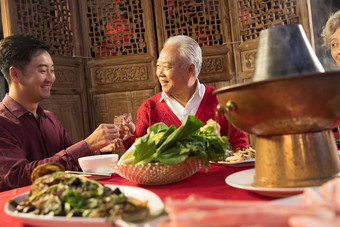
(242, 155)
(64, 194)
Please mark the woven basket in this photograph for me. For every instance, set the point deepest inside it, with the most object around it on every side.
(158, 173)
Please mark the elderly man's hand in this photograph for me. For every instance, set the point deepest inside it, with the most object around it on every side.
(104, 135)
(127, 130)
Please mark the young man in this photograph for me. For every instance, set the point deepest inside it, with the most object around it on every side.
(29, 135)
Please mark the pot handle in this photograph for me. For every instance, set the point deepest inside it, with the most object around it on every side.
(230, 106)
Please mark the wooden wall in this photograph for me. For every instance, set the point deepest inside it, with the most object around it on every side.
(105, 50)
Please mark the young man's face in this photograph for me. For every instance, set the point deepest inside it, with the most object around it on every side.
(37, 78)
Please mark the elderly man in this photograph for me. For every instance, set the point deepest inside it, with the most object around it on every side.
(29, 135)
(178, 67)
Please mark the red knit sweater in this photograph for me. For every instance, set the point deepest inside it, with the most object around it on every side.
(153, 111)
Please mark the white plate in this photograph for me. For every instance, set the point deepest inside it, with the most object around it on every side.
(155, 204)
(244, 180)
(238, 164)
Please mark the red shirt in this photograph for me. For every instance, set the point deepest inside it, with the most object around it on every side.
(153, 111)
(26, 142)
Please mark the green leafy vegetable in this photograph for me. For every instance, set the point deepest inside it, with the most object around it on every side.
(172, 146)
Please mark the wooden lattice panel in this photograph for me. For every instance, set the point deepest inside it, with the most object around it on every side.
(255, 15)
(199, 19)
(110, 104)
(48, 20)
(68, 109)
(116, 27)
(67, 73)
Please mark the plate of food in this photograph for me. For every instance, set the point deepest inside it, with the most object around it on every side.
(243, 163)
(240, 158)
(78, 201)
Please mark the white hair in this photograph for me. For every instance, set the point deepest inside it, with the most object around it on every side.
(188, 49)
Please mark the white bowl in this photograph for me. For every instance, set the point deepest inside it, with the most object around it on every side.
(98, 163)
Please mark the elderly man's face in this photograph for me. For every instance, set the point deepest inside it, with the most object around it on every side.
(171, 74)
(335, 46)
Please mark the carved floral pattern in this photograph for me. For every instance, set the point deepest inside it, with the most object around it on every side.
(120, 74)
(200, 20)
(255, 15)
(212, 65)
(48, 20)
(116, 27)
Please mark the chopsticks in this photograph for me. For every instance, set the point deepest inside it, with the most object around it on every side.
(90, 173)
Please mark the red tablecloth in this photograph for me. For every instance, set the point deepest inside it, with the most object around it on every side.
(211, 184)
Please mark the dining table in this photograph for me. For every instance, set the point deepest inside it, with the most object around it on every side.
(208, 183)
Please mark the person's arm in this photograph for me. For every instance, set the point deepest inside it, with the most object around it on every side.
(16, 169)
(17, 161)
(237, 138)
(142, 124)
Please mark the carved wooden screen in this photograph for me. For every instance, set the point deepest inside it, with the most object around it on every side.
(122, 54)
(52, 22)
(250, 17)
(207, 22)
(227, 31)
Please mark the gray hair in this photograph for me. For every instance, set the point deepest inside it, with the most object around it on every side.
(333, 23)
(188, 49)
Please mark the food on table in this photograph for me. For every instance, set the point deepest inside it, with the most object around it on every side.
(172, 146)
(46, 168)
(64, 194)
(319, 207)
(327, 196)
(242, 155)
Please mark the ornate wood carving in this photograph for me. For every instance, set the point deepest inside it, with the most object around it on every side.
(201, 20)
(122, 55)
(206, 21)
(113, 42)
(67, 77)
(212, 65)
(255, 15)
(116, 27)
(104, 76)
(110, 104)
(250, 17)
(48, 20)
(68, 109)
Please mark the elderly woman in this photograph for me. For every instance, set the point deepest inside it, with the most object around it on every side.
(178, 67)
(331, 36)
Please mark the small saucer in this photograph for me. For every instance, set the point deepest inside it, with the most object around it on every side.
(244, 180)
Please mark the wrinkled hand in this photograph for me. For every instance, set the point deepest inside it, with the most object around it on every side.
(127, 130)
(104, 135)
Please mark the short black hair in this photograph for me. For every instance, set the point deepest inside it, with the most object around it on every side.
(17, 51)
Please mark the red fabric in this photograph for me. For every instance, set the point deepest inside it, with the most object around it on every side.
(153, 111)
(211, 184)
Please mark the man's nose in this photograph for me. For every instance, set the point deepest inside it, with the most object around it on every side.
(160, 71)
(50, 76)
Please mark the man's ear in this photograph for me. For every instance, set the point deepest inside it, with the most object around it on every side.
(191, 69)
(14, 74)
